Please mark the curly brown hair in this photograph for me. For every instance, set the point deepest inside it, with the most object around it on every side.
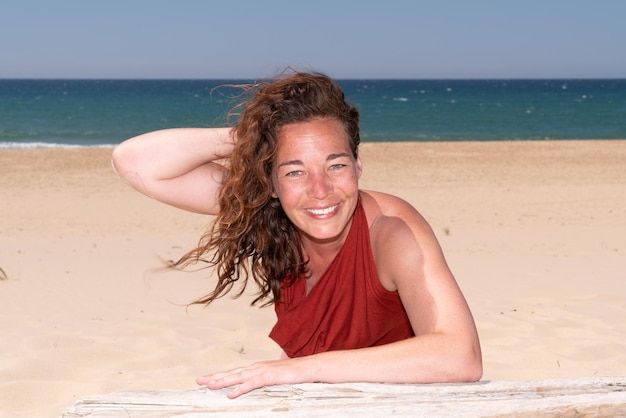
(251, 235)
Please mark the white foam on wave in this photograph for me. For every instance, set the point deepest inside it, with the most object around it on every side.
(35, 145)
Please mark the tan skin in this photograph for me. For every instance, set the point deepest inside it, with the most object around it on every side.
(316, 179)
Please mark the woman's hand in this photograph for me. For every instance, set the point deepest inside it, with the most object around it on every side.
(257, 375)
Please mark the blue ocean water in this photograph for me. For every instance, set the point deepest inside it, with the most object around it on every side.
(104, 112)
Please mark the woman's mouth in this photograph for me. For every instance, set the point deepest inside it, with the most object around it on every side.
(321, 212)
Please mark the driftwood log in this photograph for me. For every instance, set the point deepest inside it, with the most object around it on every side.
(585, 397)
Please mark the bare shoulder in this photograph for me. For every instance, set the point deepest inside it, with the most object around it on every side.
(386, 211)
(399, 234)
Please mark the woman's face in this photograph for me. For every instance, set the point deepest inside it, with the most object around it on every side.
(315, 177)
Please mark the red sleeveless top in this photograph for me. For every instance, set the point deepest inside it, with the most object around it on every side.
(347, 308)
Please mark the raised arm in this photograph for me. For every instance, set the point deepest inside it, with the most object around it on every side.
(179, 167)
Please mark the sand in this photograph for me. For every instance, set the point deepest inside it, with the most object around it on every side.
(535, 233)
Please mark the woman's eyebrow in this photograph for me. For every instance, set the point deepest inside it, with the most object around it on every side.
(291, 162)
(338, 155)
(330, 157)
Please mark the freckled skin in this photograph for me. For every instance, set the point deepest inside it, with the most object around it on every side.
(316, 180)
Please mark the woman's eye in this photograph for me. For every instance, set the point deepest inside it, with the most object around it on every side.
(294, 173)
(337, 166)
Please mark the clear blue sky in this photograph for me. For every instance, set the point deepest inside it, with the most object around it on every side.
(345, 39)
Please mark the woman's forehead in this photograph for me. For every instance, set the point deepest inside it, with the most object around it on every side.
(321, 131)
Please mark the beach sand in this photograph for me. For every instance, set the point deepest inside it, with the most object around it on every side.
(535, 233)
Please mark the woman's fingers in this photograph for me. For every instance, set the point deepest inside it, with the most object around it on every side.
(246, 379)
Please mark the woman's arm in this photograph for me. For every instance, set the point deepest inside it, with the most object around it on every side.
(445, 348)
(176, 166)
(409, 260)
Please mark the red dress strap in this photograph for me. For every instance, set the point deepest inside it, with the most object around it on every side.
(347, 308)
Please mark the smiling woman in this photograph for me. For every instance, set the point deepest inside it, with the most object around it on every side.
(360, 286)
(316, 179)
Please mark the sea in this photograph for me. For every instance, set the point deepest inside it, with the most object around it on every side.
(88, 113)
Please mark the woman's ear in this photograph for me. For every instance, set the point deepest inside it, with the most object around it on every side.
(359, 167)
(274, 194)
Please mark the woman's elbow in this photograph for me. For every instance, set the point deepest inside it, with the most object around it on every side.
(470, 366)
(473, 372)
(127, 165)
(120, 159)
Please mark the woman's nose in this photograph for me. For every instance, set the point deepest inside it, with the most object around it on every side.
(320, 186)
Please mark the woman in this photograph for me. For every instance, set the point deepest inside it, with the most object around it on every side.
(360, 286)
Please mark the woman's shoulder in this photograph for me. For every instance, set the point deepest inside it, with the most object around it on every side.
(396, 229)
(381, 206)
(400, 237)
(391, 218)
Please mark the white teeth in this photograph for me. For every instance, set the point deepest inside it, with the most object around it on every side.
(322, 211)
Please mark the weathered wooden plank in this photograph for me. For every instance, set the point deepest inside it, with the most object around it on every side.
(585, 397)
